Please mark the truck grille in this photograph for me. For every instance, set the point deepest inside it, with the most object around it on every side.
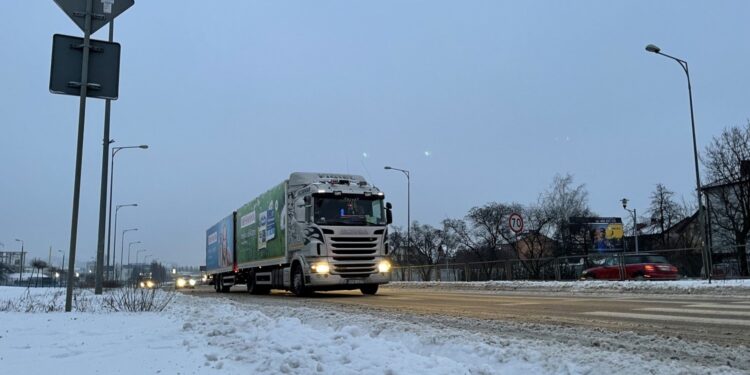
(353, 256)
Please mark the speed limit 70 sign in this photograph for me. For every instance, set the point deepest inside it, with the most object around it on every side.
(515, 221)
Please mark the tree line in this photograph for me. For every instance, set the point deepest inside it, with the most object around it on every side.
(483, 235)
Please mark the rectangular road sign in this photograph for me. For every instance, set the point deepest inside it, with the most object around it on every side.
(103, 11)
(104, 67)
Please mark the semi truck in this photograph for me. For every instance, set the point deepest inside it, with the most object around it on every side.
(313, 231)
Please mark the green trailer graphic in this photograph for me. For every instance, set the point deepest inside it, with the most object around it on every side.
(261, 227)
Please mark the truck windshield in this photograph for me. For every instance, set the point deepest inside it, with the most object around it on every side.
(348, 210)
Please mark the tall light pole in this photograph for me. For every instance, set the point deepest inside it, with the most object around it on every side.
(136, 255)
(701, 218)
(115, 150)
(114, 247)
(122, 248)
(22, 243)
(635, 221)
(408, 209)
(129, 266)
(129, 247)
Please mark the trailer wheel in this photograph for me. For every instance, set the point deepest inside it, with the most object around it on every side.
(369, 289)
(298, 282)
(217, 287)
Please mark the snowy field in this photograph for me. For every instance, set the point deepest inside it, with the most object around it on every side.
(214, 335)
(721, 287)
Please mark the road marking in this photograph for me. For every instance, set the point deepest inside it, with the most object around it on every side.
(696, 311)
(742, 302)
(719, 306)
(671, 318)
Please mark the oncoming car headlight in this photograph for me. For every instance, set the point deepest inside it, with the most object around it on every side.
(384, 266)
(150, 284)
(320, 267)
(191, 282)
(142, 284)
(181, 282)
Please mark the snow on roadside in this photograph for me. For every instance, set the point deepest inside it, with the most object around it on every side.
(723, 287)
(215, 335)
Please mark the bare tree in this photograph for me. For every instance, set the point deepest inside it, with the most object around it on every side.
(532, 247)
(430, 247)
(664, 212)
(730, 201)
(483, 232)
(561, 201)
(38, 265)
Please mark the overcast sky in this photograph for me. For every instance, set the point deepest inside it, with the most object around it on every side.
(481, 100)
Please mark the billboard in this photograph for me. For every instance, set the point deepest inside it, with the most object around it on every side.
(261, 227)
(605, 233)
(220, 245)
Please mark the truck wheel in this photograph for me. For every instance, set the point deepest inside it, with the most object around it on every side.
(217, 287)
(369, 289)
(298, 282)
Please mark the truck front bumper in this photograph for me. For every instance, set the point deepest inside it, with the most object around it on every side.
(331, 281)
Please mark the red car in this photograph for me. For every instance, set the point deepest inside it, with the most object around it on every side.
(638, 267)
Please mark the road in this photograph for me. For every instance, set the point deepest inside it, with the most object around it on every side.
(719, 320)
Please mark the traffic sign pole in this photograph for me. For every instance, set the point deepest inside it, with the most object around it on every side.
(103, 191)
(79, 156)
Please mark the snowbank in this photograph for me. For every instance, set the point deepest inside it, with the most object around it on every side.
(722, 287)
(215, 335)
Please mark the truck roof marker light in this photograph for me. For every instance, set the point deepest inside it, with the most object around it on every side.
(381, 194)
(337, 192)
(367, 194)
(321, 191)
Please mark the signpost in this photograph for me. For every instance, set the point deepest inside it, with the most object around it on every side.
(89, 15)
(515, 221)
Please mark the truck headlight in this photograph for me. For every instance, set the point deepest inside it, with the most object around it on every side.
(384, 266)
(143, 285)
(180, 282)
(150, 284)
(191, 282)
(320, 267)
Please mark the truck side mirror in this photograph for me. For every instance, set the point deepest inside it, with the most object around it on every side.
(388, 205)
(388, 213)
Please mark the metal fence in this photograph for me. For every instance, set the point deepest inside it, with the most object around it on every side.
(689, 262)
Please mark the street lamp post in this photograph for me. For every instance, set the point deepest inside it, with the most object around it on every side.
(129, 266)
(635, 221)
(122, 248)
(408, 210)
(136, 255)
(62, 264)
(129, 247)
(701, 218)
(22, 244)
(115, 150)
(114, 247)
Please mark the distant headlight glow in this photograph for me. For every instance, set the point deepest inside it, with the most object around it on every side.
(181, 282)
(150, 284)
(191, 282)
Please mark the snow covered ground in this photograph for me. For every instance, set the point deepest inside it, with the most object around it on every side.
(196, 335)
(722, 287)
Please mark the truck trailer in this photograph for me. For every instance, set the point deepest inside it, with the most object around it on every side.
(313, 231)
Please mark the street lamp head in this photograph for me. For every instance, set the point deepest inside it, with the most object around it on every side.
(653, 48)
(19, 240)
(387, 167)
(624, 203)
(143, 146)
